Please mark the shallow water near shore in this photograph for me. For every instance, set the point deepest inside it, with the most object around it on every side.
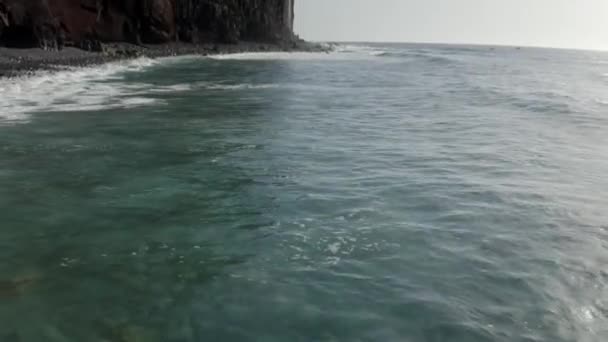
(382, 192)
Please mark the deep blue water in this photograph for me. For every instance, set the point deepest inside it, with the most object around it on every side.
(377, 193)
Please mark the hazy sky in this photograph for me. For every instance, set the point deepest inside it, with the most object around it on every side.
(555, 23)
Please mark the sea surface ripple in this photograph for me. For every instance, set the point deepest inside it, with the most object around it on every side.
(382, 192)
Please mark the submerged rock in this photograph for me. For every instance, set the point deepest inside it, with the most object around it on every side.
(18, 285)
(125, 332)
(131, 333)
(8, 289)
(11, 337)
(51, 24)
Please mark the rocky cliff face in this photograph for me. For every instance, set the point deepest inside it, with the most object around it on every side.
(52, 24)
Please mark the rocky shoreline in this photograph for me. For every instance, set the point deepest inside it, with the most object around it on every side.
(47, 34)
(16, 62)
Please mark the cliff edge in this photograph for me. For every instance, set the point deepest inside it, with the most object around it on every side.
(87, 24)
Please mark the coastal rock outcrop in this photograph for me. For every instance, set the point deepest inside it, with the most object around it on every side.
(52, 24)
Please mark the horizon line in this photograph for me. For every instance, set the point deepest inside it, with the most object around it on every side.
(506, 45)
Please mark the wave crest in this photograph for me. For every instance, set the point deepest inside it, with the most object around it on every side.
(70, 89)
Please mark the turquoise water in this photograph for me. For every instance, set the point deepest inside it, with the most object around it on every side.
(378, 193)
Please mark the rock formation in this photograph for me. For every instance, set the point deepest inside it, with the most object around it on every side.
(52, 24)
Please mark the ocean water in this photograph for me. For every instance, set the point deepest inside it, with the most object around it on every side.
(377, 193)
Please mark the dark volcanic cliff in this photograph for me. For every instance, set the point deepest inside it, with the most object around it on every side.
(52, 24)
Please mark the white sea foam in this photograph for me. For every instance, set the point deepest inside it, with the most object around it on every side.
(334, 248)
(340, 52)
(378, 53)
(363, 50)
(602, 102)
(275, 56)
(218, 86)
(103, 86)
(71, 89)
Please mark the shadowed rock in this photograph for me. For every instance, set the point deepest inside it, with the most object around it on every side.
(52, 24)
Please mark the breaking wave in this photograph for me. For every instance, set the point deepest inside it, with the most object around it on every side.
(104, 86)
(71, 89)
